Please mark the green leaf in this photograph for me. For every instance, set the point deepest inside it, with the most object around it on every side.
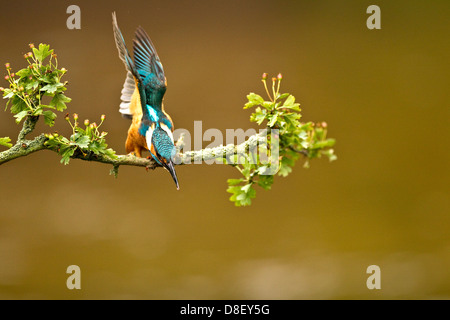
(59, 102)
(19, 116)
(295, 107)
(282, 96)
(110, 153)
(31, 85)
(236, 191)
(268, 105)
(8, 93)
(49, 117)
(323, 144)
(5, 142)
(242, 197)
(48, 77)
(289, 101)
(285, 167)
(273, 120)
(258, 116)
(246, 171)
(51, 88)
(83, 142)
(66, 154)
(265, 182)
(246, 187)
(253, 100)
(38, 111)
(233, 182)
(43, 52)
(24, 73)
(245, 198)
(18, 105)
(292, 118)
(256, 98)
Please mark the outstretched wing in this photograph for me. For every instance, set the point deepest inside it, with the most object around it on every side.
(132, 78)
(149, 68)
(124, 55)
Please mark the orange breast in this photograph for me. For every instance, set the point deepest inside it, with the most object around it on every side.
(135, 142)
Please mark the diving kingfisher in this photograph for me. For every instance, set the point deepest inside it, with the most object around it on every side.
(142, 101)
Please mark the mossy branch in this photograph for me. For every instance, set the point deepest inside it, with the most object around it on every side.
(24, 147)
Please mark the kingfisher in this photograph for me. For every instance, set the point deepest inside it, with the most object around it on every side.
(142, 101)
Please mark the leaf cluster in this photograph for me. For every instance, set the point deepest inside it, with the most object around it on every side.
(87, 142)
(36, 90)
(294, 140)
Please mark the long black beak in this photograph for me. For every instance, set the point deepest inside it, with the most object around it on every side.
(171, 169)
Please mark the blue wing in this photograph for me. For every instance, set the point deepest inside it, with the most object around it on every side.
(150, 69)
(122, 48)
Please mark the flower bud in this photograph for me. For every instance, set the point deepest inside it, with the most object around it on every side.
(75, 116)
(66, 117)
(280, 76)
(103, 117)
(2, 89)
(63, 69)
(13, 74)
(7, 65)
(6, 77)
(86, 122)
(264, 76)
(274, 79)
(31, 45)
(324, 124)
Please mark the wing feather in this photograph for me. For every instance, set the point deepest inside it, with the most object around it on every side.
(128, 89)
(150, 69)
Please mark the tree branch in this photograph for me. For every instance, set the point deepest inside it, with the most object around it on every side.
(24, 147)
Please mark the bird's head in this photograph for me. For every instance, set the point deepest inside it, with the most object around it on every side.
(163, 151)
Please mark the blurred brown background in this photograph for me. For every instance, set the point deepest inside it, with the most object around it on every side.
(384, 94)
